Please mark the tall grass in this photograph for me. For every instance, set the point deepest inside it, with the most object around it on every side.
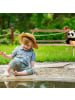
(44, 53)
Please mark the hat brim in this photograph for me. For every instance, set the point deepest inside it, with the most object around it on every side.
(29, 36)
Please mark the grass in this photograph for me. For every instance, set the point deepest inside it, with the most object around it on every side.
(8, 49)
(56, 53)
(44, 53)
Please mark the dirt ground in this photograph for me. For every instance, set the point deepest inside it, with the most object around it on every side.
(50, 71)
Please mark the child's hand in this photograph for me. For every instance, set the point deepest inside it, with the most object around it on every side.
(3, 54)
(6, 56)
(32, 63)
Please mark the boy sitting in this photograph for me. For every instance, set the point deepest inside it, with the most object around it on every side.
(23, 56)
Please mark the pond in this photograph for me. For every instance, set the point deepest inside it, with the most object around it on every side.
(41, 84)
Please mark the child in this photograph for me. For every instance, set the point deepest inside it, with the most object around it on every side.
(23, 56)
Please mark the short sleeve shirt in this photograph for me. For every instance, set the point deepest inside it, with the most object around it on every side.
(25, 56)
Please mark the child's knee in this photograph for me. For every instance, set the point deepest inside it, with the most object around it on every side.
(30, 71)
(13, 63)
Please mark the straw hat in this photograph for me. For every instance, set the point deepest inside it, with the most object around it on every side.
(31, 37)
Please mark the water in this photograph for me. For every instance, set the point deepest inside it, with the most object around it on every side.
(43, 84)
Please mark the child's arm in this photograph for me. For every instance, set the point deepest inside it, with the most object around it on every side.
(6, 56)
(32, 63)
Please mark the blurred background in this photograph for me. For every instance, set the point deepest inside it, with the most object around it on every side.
(24, 22)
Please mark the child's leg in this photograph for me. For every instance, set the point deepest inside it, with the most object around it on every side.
(8, 70)
(22, 73)
(26, 72)
(12, 65)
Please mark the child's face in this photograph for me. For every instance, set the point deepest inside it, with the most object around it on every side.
(27, 46)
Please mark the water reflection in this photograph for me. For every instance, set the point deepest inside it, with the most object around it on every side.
(44, 84)
(24, 84)
(19, 84)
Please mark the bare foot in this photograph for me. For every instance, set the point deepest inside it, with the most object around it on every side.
(6, 74)
(15, 73)
(36, 72)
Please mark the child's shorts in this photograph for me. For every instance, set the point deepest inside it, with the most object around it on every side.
(17, 65)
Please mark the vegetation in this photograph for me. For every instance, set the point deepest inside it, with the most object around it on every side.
(27, 21)
(44, 53)
(23, 22)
